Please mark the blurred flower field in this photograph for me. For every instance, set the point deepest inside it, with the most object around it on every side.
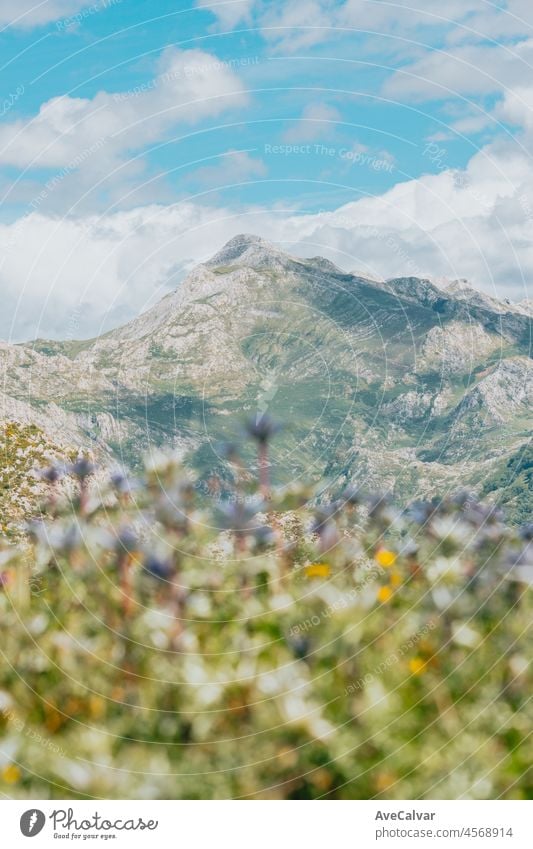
(165, 639)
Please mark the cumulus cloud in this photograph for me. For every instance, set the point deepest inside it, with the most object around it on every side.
(305, 22)
(229, 13)
(473, 223)
(516, 107)
(104, 270)
(94, 271)
(466, 70)
(497, 22)
(30, 13)
(317, 121)
(233, 167)
(190, 85)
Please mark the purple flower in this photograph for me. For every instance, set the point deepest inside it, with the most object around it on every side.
(52, 473)
(123, 484)
(127, 540)
(353, 495)
(159, 567)
(262, 428)
(264, 537)
(82, 469)
(237, 516)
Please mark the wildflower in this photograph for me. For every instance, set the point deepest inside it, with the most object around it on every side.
(384, 594)
(382, 511)
(395, 579)
(170, 510)
(318, 570)
(324, 526)
(292, 497)
(417, 665)
(262, 428)
(353, 495)
(526, 531)
(53, 473)
(97, 706)
(11, 774)
(159, 567)
(300, 646)
(408, 548)
(451, 530)
(37, 531)
(420, 511)
(82, 469)
(465, 636)
(121, 483)
(161, 464)
(519, 665)
(385, 557)
(127, 540)
(520, 564)
(384, 780)
(323, 515)
(237, 516)
(64, 540)
(264, 537)
(463, 499)
(480, 515)
(447, 569)
(53, 721)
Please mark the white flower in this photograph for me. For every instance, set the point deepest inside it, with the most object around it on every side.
(465, 636)
(445, 569)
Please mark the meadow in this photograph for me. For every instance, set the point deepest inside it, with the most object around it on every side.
(174, 638)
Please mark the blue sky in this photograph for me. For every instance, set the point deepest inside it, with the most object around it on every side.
(137, 136)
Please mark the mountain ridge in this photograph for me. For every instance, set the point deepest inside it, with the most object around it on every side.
(391, 382)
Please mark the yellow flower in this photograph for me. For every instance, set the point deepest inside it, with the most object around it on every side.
(318, 570)
(384, 594)
(417, 665)
(96, 707)
(385, 557)
(384, 780)
(11, 774)
(53, 721)
(395, 579)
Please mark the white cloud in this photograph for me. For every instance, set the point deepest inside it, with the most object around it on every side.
(302, 23)
(191, 85)
(465, 70)
(497, 22)
(233, 167)
(30, 13)
(297, 25)
(517, 107)
(318, 121)
(229, 13)
(474, 224)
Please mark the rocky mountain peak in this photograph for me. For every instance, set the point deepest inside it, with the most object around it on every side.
(248, 250)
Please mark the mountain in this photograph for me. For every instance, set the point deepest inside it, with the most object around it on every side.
(401, 384)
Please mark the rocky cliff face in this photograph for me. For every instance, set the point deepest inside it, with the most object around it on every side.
(401, 384)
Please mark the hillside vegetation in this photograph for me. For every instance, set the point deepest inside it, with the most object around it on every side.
(167, 638)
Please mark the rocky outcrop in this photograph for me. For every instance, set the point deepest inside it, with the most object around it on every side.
(503, 394)
(456, 348)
